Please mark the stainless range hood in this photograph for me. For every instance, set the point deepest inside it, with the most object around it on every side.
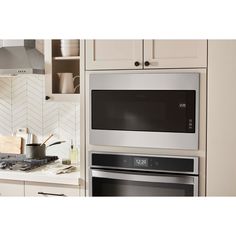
(20, 57)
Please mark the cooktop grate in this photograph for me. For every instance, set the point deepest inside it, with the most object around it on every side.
(20, 162)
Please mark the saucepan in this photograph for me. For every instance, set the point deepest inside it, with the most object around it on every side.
(37, 150)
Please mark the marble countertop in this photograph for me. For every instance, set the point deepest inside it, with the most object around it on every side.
(44, 174)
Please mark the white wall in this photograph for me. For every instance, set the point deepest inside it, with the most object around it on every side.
(22, 104)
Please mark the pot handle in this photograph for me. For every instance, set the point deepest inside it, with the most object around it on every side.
(59, 142)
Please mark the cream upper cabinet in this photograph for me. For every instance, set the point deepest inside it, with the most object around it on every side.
(59, 60)
(145, 54)
(175, 53)
(113, 54)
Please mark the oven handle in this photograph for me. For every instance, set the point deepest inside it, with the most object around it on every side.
(190, 180)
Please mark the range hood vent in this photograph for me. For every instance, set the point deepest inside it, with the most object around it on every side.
(20, 57)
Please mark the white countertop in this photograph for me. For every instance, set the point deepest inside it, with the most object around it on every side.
(44, 174)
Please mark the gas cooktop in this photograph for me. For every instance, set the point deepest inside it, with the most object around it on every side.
(20, 162)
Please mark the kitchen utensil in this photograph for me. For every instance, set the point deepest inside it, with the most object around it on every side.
(10, 144)
(35, 151)
(67, 169)
(38, 151)
(67, 83)
(46, 139)
(24, 141)
(26, 137)
(30, 138)
(59, 142)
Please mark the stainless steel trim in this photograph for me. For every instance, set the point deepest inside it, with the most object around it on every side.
(143, 178)
(188, 180)
(196, 165)
(14, 72)
(196, 187)
(194, 158)
(145, 81)
(147, 170)
(144, 139)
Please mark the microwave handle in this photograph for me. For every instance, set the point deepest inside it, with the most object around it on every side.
(190, 180)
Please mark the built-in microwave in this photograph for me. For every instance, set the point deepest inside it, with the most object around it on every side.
(151, 110)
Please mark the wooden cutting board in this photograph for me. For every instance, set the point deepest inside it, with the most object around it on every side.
(10, 144)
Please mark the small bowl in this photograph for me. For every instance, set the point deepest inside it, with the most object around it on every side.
(69, 41)
(69, 52)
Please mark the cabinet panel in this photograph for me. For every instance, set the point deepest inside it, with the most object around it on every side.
(221, 130)
(175, 53)
(49, 190)
(11, 188)
(113, 54)
(56, 63)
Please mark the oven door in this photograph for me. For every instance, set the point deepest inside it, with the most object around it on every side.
(144, 110)
(125, 183)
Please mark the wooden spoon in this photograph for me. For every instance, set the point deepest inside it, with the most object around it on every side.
(46, 139)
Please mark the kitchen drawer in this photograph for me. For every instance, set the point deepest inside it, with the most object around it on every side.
(50, 190)
(11, 188)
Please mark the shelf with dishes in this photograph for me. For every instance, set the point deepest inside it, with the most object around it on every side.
(63, 66)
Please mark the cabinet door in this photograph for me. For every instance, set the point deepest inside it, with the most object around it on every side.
(12, 188)
(221, 129)
(50, 190)
(113, 54)
(175, 53)
(56, 63)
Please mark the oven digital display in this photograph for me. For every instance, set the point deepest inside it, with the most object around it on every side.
(140, 162)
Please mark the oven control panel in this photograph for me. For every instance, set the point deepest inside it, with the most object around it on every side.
(141, 162)
(151, 163)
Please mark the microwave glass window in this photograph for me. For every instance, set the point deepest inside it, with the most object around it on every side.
(144, 110)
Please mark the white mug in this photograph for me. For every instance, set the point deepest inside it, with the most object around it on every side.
(67, 83)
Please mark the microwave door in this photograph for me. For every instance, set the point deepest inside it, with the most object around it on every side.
(144, 110)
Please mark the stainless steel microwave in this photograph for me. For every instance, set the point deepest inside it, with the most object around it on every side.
(150, 110)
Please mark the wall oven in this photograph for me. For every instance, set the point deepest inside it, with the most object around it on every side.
(115, 174)
(152, 110)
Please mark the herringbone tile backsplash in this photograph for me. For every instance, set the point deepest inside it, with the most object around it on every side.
(22, 104)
